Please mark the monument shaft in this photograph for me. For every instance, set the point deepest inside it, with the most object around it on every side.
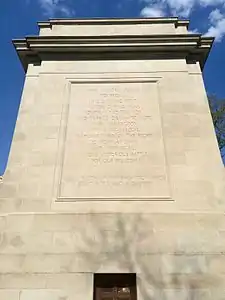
(114, 185)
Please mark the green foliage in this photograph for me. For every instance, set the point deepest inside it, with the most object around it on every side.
(217, 107)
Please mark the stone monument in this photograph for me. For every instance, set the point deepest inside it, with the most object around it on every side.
(114, 187)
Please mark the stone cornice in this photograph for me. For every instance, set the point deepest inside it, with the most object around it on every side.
(113, 21)
(37, 48)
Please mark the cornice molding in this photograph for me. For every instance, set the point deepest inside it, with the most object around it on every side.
(37, 48)
(113, 21)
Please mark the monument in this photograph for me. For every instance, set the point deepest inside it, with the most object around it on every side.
(114, 187)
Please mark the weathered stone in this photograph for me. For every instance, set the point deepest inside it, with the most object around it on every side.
(114, 165)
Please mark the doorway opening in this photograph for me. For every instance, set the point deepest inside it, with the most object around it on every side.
(115, 287)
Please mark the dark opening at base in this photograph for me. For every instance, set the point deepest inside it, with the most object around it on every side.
(115, 287)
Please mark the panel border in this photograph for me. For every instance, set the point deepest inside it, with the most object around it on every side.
(100, 78)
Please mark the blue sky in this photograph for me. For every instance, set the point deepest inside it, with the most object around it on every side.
(18, 18)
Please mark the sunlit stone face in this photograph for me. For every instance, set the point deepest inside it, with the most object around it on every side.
(113, 142)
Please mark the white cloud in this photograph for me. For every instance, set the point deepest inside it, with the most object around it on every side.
(215, 16)
(53, 7)
(217, 22)
(181, 7)
(211, 2)
(184, 8)
(175, 7)
(194, 31)
(153, 11)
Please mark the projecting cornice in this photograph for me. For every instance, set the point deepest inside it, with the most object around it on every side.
(38, 48)
(114, 21)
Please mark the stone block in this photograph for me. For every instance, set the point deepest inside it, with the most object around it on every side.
(11, 263)
(216, 263)
(184, 264)
(218, 294)
(19, 222)
(55, 222)
(47, 263)
(23, 281)
(8, 190)
(112, 29)
(44, 295)
(10, 205)
(83, 281)
(25, 243)
(187, 293)
(9, 294)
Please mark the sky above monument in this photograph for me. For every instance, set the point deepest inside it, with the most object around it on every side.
(18, 18)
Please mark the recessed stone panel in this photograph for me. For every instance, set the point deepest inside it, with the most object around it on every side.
(113, 142)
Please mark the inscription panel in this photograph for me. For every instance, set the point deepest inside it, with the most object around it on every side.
(113, 143)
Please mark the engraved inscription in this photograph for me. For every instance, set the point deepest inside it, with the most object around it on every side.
(113, 145)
